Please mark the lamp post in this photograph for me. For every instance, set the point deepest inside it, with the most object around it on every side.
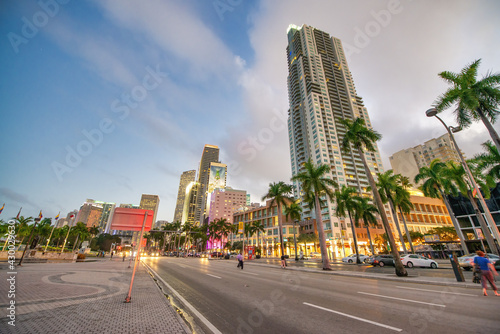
(491, 243)
(72, 220)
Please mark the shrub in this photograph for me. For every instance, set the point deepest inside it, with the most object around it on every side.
(80, 257)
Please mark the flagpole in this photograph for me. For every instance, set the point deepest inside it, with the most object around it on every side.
(50, 236)
(129, 297)
(67, 234)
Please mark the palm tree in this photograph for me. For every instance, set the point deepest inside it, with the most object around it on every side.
(23, 228)
(294, 211)
(367, 212)
(489, 162)
(258, 228)
(456, 173)
(280, 194)
(186, 228)
(474, 100)
(81, 231)
(307, 237)
(403, 203)
(437, 185)
(358, 136)
(386, 186)
(347, 200)
(315, 184)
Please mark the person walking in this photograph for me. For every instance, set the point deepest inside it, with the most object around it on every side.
(486, 268)
(112, 253)
(239, 257)
(283, 261)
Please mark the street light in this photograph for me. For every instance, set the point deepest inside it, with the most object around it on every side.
(433, 113)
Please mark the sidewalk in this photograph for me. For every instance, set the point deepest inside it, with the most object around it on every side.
(85, 297)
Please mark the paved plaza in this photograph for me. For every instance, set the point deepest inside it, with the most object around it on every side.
(85, 297)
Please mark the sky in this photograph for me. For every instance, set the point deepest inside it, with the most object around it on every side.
(108, 100)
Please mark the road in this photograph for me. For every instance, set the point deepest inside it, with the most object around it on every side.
(259, 299)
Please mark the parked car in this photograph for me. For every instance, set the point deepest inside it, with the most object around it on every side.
(414, 260)
(217, 254)
(382, 260)
(352, 258)
(467, 261)
(314, 255)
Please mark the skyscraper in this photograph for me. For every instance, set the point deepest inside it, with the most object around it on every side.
(186, 178)
(210, 154)
(150, 202)
(321, 92)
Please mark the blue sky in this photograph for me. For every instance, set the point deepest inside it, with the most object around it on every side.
(137, 88)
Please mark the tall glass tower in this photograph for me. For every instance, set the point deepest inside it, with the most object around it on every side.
(321, 92)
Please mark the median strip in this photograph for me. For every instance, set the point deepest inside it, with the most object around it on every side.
(354, 317)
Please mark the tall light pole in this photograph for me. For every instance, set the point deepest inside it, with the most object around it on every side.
(433, 113)
(67, 234)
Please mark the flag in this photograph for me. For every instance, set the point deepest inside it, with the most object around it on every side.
(40, 215)
(19, 213)
(474, 193)
(3, 206)
(57, 217)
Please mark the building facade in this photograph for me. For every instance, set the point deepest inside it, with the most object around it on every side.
(224, 202)
(321, 92)
(90, 213)
(186, 178)
(150, 202)
(408, 162)
(210, 154)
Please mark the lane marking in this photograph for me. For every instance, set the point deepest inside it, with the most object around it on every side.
(214, 276)
(406, 300)
(246, 272)
(354, 317)
(453, 293)
(187, 304)
(180, 265)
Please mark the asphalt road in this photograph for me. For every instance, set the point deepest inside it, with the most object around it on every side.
(220, 298)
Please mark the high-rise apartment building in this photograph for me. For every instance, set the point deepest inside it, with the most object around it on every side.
(210, 154)
(321, 92)
(224, 202)
(150, 202)
(186, 178)
(408, 162)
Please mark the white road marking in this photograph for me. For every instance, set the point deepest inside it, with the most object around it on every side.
(453, 293)
(356, 318)
(246, 272)
(406, 300)
(214, 276)
(187, 304)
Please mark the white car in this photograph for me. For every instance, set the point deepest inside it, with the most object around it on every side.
(314, 255)
(352, 258)
(413, 260)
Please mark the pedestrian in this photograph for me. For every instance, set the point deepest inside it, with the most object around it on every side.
(239, 257)
(112, 253)
(301, 253)
(483, 265)
(283, 261)
(124, 255)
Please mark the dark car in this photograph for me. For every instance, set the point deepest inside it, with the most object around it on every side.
(217, 254)
(382, 260)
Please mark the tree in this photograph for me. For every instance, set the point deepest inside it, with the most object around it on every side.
(347, 201)
(475, 100)
(367, 212)
(294, 212)
(307, 238)
(386, 186)
(23, 229)
(280, 194)
(456, 174)
(359, 137)
(315, 184)
(81, 232)
(489, 162)
(258, 228)
(446, 233)
(403, 202)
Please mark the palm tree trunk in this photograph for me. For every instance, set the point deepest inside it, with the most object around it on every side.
(396, 222)
(355, 238)
(483, 224)
(370, 238)
(280, 223)
(406, 231)
(491, 130)
(400, 269)
(456, 225)
(20, 243)
(321, 232)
